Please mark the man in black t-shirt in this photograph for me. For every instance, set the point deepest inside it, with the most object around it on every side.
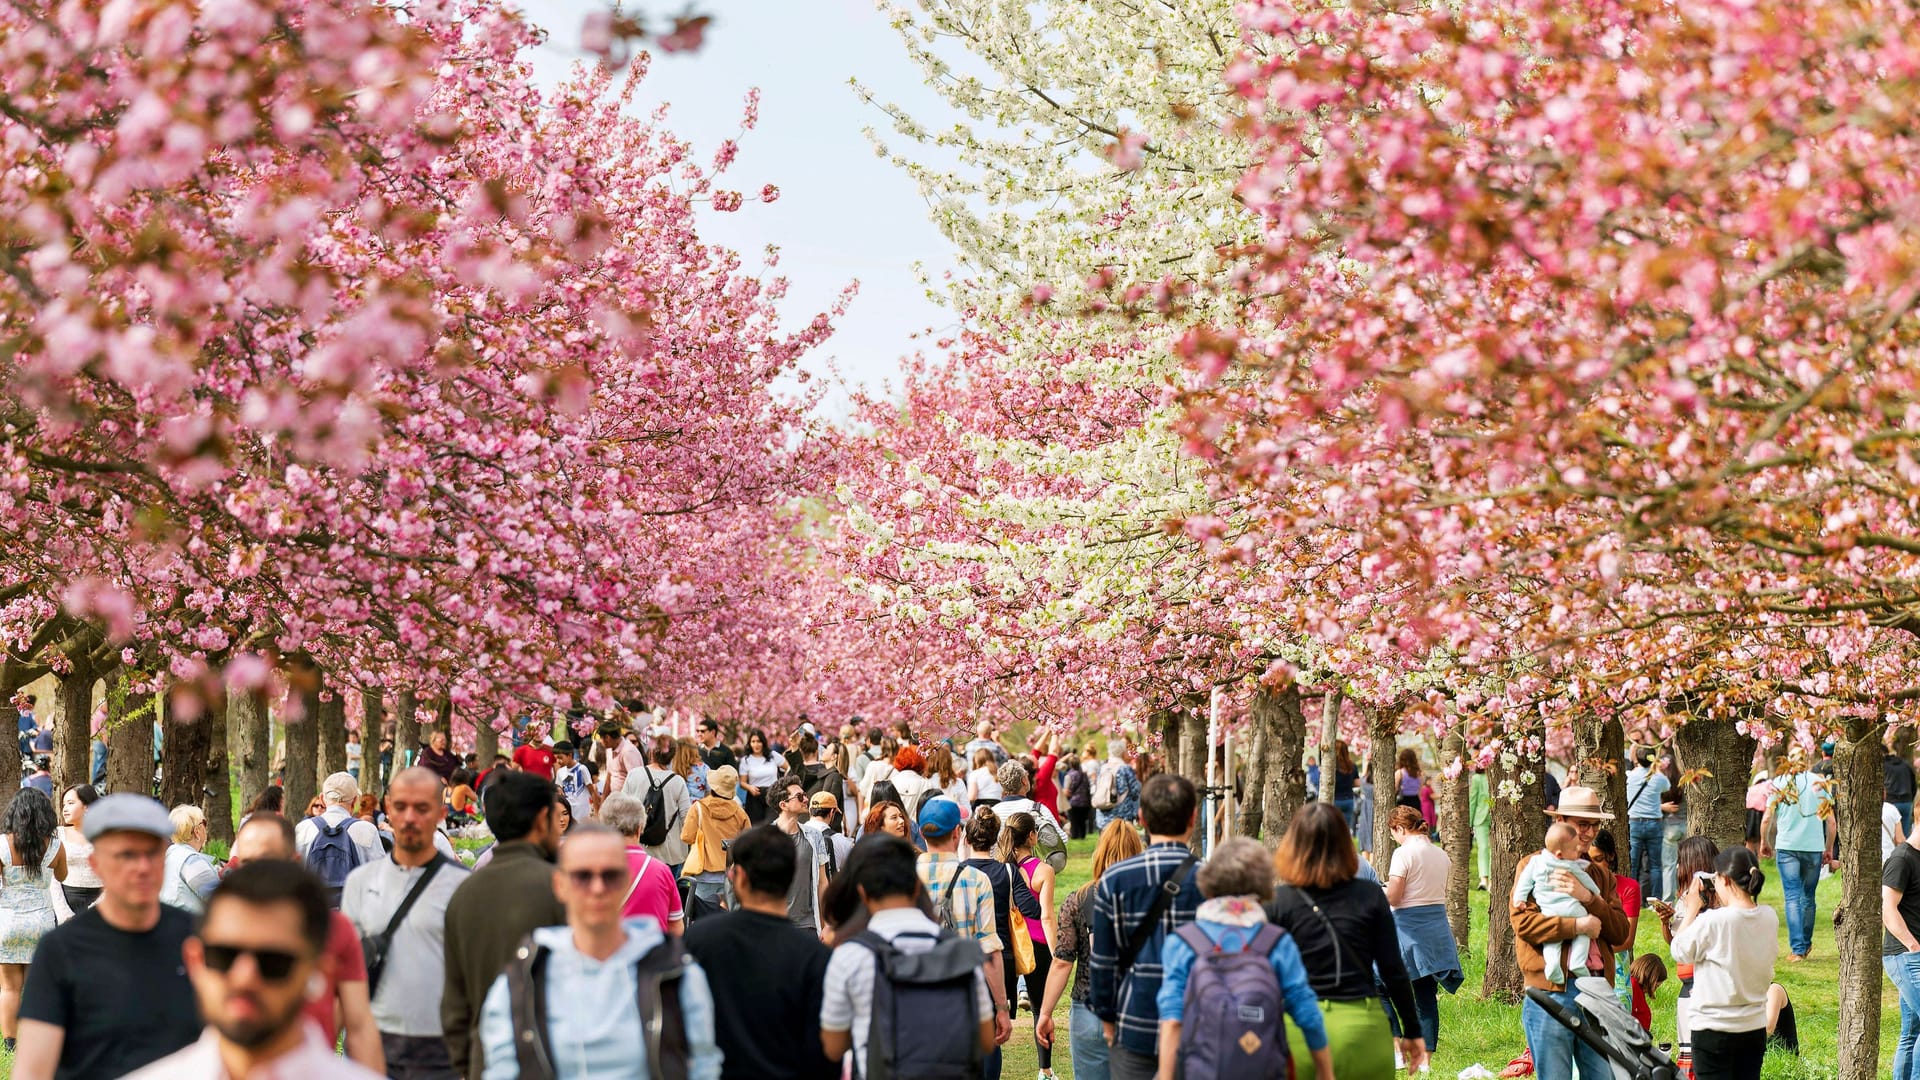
(764, 972)
(108, 992)
(1898, 784)
(1900, 950)
(712, 751)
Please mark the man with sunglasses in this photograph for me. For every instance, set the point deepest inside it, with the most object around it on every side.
(601, 997)
(260, 956)
(809, 883)
(107, 992)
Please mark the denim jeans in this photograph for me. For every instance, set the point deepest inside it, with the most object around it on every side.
(1555, 1049)
(1646, 837)
(1904, 971)
(1674, 830)
(1089, 1044)
(1906, 817)
(1799, 877)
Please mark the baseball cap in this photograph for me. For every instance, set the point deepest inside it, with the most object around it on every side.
(823, 800)
(938, 817)
(127, 812)
(340, 788)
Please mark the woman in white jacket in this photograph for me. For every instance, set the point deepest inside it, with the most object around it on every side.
(1732, 948)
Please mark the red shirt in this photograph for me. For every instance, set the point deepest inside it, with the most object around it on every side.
(349, 965)
(1045, 792)
(1628, 890)
(1640, 1010)
(653, 891)
(537, 760)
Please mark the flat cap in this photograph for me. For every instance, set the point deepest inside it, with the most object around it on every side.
(127, 812)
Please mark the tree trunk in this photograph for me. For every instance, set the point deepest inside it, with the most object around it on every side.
(1904, 739)
(372, 721)
(130, 738)
(443, 720)
(1193, 745)
(250, 718)
(1329, 738)
(1286, 729)
(486, 745)
(303, 738)
(1858, 776)
(332, 740)
(219, 806)
(1722, 760)
(1383, 741)
(406, 729)
(1456, 837)
(13, 675)
(184, 748)
(1599, 754)
(1519, 827)
(75, 742)
(1253, 804)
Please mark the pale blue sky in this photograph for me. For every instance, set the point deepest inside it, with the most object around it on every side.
(843, 213)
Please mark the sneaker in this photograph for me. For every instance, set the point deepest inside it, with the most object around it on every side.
(1024, 1003)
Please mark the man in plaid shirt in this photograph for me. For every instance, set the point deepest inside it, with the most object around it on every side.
(1123, 996)
(963, 900)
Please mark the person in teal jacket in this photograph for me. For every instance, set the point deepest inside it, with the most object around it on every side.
(1481, 813)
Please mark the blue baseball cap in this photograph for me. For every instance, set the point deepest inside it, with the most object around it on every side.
(939, 816)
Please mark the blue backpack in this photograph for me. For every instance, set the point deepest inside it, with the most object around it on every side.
(1233, 1026)
(332, 855)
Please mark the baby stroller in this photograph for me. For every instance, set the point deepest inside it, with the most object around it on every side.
(1602, 1023)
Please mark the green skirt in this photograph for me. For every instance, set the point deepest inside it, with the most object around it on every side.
(1357, 1036)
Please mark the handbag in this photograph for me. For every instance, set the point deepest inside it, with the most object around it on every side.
(695, 863)
(374, 947)
(1022, 943)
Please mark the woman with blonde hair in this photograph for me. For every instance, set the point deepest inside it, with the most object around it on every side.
(1073, 942)
(190, 876)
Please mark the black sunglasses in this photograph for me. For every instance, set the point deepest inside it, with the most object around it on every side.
(273, 964)
(584, 879)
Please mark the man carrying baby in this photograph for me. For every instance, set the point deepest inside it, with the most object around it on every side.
(1591, 928)
(1540, 879)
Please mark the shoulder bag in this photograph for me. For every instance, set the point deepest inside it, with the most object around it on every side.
(375, 946)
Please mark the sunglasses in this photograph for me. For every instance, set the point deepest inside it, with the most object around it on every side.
(584, 879)
(273, 964)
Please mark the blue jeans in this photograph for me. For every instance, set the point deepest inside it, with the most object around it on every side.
(1904, 970)
(1089, 1044)
(1555, 1048)
(1646, 837)
(1799, 877)
(99, 776)
(1906, 816)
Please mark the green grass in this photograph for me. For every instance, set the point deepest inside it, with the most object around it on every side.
(1474, 1030)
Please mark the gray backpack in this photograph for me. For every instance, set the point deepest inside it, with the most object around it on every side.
(924, 1025)
(1233, 1028)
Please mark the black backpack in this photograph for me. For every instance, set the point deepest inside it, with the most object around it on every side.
(654, 833)
(657, 995)
(917, 999)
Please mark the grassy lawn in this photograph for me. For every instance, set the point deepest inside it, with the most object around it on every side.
(1473, 1030)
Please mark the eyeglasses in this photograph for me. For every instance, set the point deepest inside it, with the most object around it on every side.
(801, 795)
(273, 964)
(610, 879)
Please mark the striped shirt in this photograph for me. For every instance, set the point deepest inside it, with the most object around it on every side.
(972, 897)
(1120, 901)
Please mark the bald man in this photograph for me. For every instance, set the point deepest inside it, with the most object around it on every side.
(406, 981)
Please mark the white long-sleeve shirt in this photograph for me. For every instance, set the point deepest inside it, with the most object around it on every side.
(1732, 952)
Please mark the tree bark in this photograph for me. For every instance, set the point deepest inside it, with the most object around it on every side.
(183, 756)
(1519, 827)
(1858, 777)
(373, 720)
(250, 718)
(1286, 786)
(1599, 754)
(303, 738)
(1193, 745)
(486, 745)
(1253, 804)
(1329, 738)
(1383, 741)
(1456, 837)
(333, 733)
(1717, 803)
(75, 742)
(130, 738)
(442, 720)
(219, 806)
(406, 729)
(14, 675)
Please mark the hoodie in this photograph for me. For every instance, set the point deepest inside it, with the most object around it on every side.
(712, 824)
(591, 1022)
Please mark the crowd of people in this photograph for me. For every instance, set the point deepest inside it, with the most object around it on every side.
(801, 905)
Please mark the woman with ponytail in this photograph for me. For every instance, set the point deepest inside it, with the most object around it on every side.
(1732, 948)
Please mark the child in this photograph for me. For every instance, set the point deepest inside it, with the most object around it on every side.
(1562, 852)
(1645, 976)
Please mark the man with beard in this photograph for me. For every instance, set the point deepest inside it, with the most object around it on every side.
(260, 951)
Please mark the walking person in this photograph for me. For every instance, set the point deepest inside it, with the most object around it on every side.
(342, 1004)
(1417, 892)
(651, 890)
(623, 757)
(1118, 842)
(1480, 812)
(1016, 849)
(1802, 826)
(667, 797)
(106, 993)
(30, 852)
(574, 780)
(765, 974)
(1236, 882)
(1049, 838)
(711, 825)
(333, 842)
(398, 905)
(81, 887)
(1116, 791)
(810, 880)
(191, 875)
(564, 1004)
(983, 783)
(1076, 793)
(1345, 932)
(759, 769)
(1646, 790)
(1900, 948)
(1732, 949)
(498, 905)
(263, 941)
(1898, 780)
(713, 751)
(963, 901)
(1133, 913)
